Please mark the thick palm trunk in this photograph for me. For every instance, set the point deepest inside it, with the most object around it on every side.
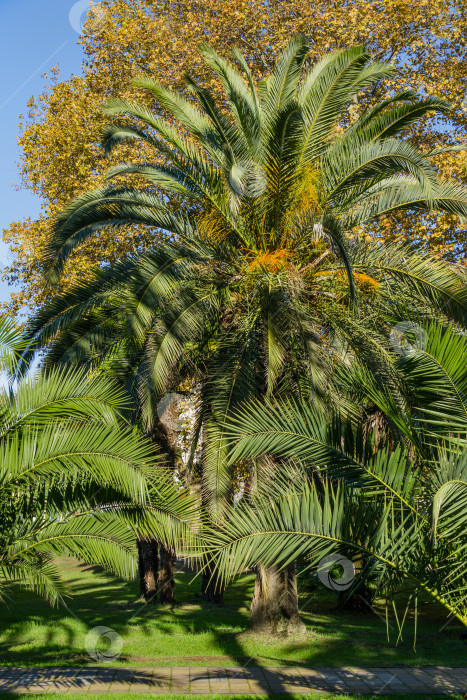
(274, 608)
(166, 437)
(166, 574)
(148, 568)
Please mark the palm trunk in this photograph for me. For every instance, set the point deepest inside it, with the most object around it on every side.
(148, 568)
(166, 575)
(166, 436)
(362, 598)
(376, 426)
(211, 588)
(274, 608)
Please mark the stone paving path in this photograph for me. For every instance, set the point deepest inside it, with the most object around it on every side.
(250, 680)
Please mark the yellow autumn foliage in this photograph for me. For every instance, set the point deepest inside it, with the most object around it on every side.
(61, 157)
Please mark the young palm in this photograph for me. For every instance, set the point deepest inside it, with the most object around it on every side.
(74, 480)
(402, 506)
(254, 281)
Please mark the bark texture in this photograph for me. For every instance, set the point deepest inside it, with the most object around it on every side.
(148, 561)
(377, 426)
(165, 436)
(274, 608)
(166, 574)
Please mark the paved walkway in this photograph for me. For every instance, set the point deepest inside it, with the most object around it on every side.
(250, 680)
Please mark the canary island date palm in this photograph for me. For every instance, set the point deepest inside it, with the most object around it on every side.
(74, 478)
(255, 196)
(402, 506)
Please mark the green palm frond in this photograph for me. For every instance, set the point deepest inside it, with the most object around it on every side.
(311, 522)
(108, 207)
(243, 100)
(449, 486)
(437, 374)
(256, 195)
(404, 192)
(38, 573)
(12, 346)
(337, 448)
(416, 277)
(75, 480)
(234, 374)
(389, 123)
(281, 85)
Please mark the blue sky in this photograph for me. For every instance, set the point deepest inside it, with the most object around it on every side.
(35, 35)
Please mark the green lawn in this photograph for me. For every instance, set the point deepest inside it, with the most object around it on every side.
(33, 634)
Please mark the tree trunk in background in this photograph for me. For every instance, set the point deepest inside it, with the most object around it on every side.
(274, 608)
(166, 574)
(362, 598)
(360, 601)
(148, 566)
(166, 437)
(377, 427)
(211, 590)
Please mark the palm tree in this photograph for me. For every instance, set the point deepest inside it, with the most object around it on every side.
(253, 285)
(401, 506)
(74, 479)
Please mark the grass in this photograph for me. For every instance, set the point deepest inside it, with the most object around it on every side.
(192, 633)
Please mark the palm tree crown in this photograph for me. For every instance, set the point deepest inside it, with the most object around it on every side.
(256, 197)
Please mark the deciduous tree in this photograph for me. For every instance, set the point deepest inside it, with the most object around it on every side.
(158, 38)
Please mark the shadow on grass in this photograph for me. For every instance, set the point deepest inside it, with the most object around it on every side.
(32, 633)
